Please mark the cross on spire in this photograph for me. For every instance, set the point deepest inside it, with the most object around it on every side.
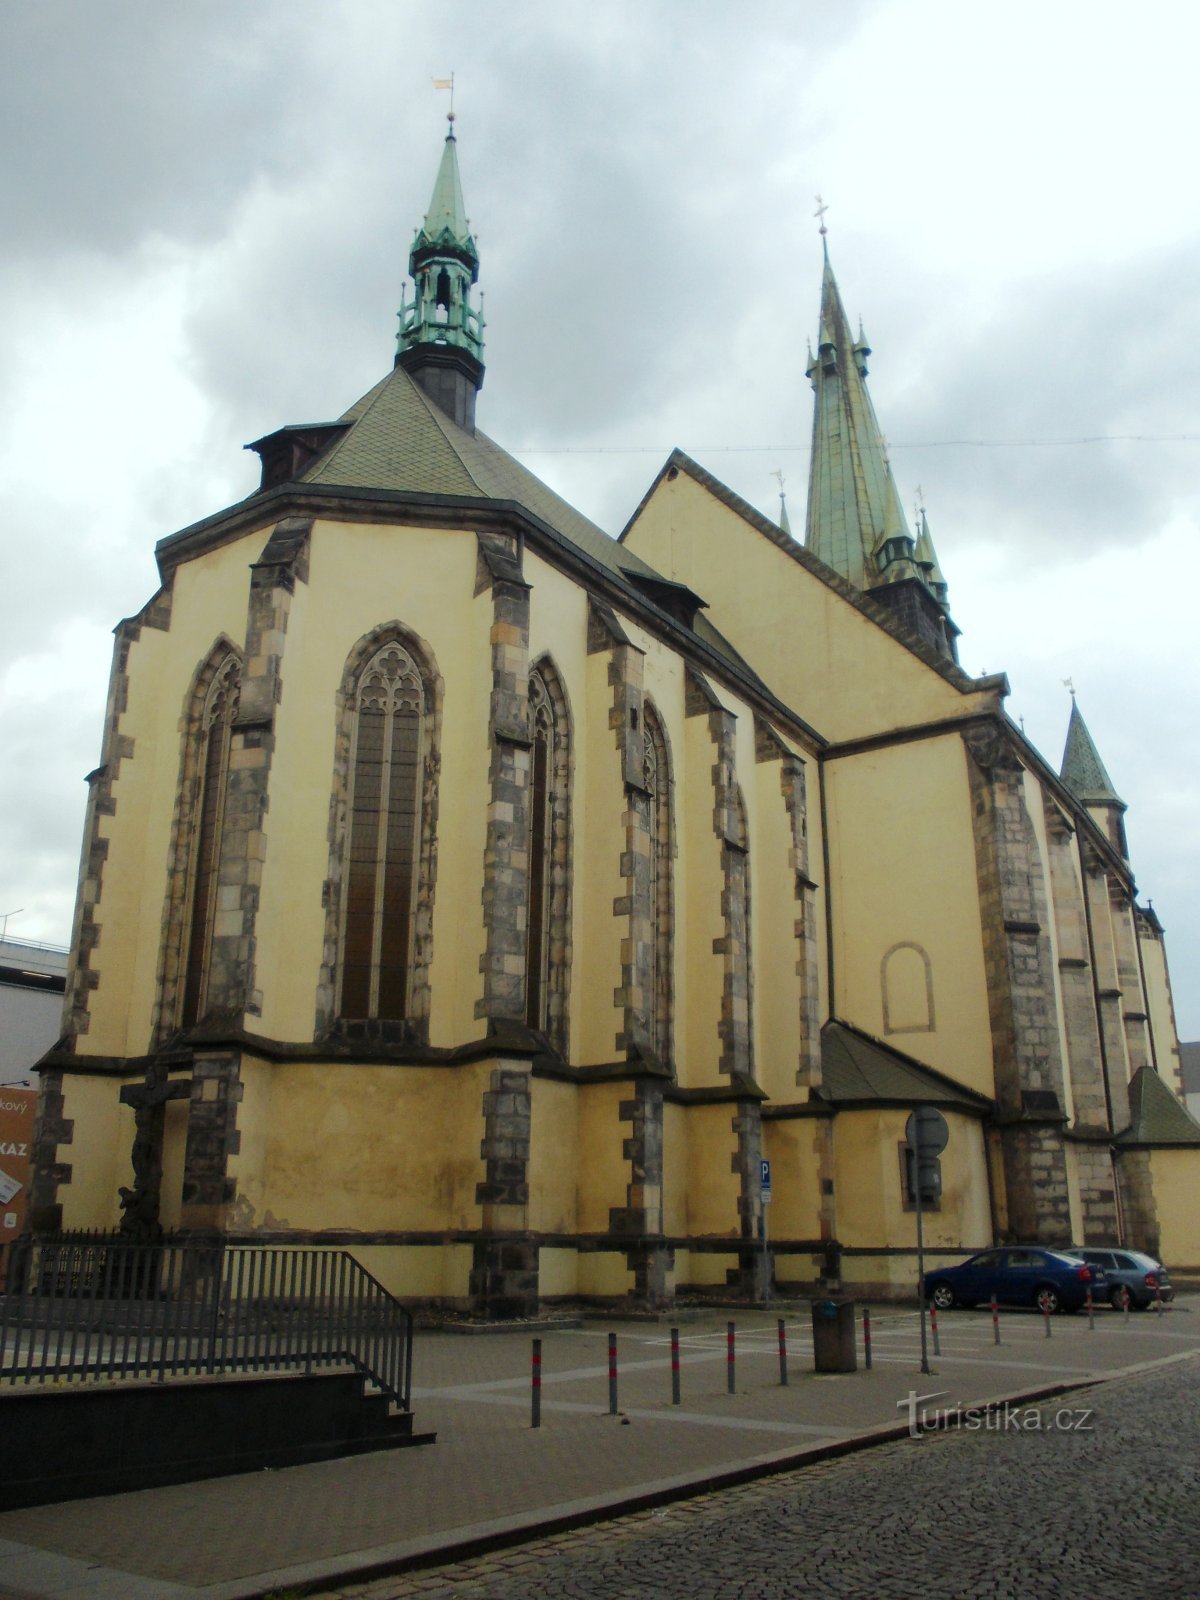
(819, 213)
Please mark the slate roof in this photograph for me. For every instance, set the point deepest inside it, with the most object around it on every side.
(1082, 769)
(858, 1069)
(400, 439)
(1158, 1116)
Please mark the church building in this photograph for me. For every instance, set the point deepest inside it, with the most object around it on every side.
(493, 897)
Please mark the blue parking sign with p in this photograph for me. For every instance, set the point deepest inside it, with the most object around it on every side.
(765, 1179)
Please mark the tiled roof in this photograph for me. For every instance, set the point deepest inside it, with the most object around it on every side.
(1082, 769)
(1158, 1117)
(857, 1068)
(401, 440)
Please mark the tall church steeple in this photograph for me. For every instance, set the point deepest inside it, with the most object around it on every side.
(856, 522)
(441, 333)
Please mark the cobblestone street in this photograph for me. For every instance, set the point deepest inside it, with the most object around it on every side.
(1105, 1504)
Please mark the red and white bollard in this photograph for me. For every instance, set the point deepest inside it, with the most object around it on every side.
(933, 1328)
(1046, 1316)
(995, 1320)
(1091, 1310)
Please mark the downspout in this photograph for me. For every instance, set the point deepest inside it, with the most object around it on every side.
(829, 964)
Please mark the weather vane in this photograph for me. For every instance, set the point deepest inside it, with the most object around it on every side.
(446, 83)
(1069, 683)
(819, 213)
(919, 504)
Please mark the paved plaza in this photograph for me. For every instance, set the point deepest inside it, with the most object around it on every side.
(491, 1480)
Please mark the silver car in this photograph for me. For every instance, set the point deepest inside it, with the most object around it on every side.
(1129, 1272)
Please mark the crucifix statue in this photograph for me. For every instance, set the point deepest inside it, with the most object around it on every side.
(140, 1205)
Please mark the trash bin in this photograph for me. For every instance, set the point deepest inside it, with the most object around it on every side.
(833, 1336)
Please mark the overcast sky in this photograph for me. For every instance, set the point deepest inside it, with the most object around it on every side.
(207, 209)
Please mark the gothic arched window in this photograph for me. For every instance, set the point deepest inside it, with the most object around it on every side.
(195, 854)
(383, 832)
(657, 775)
(547, 954)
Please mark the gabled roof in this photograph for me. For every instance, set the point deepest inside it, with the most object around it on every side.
(678, 461)
(400, 439)
(1158, 1116)
(1082, 769)
(857, 1069)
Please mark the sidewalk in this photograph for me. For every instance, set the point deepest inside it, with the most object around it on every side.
(491, 1478)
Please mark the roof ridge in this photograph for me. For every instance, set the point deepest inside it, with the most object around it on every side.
(805, 558)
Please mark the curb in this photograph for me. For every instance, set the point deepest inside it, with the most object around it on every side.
(437, 1550)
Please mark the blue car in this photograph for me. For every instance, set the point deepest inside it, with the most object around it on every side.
(1019, 1275)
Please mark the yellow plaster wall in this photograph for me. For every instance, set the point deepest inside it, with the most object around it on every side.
(558, 1272)
(675, 1169)
(704, 1269)
(1175, 1177)
(1161, 1007)
(175, 1127)
(361, 576)
(868, 1184)
(792, 1146)
(603, 1170)
(553, 1156)
(418, 1272)
(700, 976)
(209, 601)
(248, 1164)
(99, 1153)
(841, 670)
(604, 1274)
(713, 1186)
(902, 866)
(373, 1147)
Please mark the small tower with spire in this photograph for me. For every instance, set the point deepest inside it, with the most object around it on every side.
(856, 522)
(1083, 773)
(441, 332)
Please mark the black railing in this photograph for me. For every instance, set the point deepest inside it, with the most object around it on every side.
(87, 1307)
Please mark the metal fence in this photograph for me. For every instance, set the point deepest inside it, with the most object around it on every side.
(88, 1307)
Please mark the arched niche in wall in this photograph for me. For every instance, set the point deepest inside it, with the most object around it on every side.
(906, 987)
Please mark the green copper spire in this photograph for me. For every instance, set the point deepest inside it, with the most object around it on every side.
(855, 520)
(444, 264)
(927, 561)
(1082, 769)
